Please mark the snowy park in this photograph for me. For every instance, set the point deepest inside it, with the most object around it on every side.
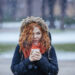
(59, 15)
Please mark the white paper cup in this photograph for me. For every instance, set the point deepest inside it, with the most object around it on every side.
(35, 50)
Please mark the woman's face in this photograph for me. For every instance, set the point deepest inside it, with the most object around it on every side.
(37, 34)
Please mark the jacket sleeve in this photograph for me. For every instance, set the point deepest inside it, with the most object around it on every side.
(18, 66)
(49, 66)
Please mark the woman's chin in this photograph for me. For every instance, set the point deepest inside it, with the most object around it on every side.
(35, 43)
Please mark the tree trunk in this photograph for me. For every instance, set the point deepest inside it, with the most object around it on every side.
(12, 5)
(63, 4)
(51, 13)
(43, 9)
(1, 13)
(29, 7)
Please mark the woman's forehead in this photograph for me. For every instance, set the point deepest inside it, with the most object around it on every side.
(36, 29)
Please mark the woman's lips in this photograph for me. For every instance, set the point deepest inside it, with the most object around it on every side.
(35, 40)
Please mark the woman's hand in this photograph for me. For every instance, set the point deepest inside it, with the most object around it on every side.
(34, 56)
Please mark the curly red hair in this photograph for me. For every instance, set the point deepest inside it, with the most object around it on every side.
(25, 40)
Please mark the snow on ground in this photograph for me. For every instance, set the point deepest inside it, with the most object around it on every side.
(60, 55)
(9, 37)
(65, 37)
(65, 55)
(11, 24)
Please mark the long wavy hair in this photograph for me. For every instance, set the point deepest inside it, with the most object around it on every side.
(25, 40)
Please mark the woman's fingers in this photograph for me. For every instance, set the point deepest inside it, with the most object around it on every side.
(37, 58)
(34, 56)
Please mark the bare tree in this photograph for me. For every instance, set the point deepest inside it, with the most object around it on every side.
(12, 8)
(43, 9)
(1, 13)
(51, 4)
(63, 4)
(29, 7)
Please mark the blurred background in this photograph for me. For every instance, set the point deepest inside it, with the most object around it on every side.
(60, 18)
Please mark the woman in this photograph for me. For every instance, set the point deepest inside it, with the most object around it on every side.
(34, 55)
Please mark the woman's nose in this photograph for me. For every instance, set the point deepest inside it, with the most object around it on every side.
(35, 36)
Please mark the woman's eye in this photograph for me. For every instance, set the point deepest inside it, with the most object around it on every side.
(38, 33)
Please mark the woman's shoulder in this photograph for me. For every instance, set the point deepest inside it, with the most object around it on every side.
(17, 46)
(51, 50)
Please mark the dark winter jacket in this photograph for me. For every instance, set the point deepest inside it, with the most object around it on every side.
(21, 66)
